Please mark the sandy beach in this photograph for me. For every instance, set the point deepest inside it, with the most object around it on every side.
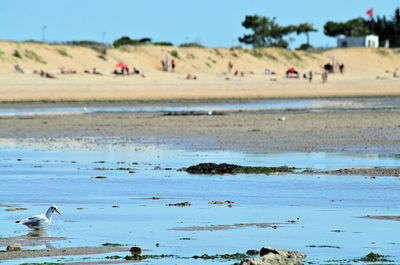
(368, 72)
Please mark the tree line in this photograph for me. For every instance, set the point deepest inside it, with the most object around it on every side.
(266, 32)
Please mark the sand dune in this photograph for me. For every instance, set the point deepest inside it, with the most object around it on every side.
(363, 66)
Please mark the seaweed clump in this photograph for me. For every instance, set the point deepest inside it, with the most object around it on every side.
(224, 168)
(373, 257)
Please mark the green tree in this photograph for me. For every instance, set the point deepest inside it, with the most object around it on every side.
(128, 41)
(352, 28)
(389, 29)
(266, 32)
(385, 28)
(306, 28)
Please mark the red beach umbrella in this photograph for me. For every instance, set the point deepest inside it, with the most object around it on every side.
(291, 70)
(122, 65)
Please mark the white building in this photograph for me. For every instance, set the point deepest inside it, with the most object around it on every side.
(365, 41)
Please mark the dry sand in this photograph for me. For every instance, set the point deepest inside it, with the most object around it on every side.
(363, 66)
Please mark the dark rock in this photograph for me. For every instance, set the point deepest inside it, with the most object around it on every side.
(252, 252)
(14, 247)
(136, 250)
(223, 169)
(179, 204)
(220, 202)
(267, 250)
(212, 168)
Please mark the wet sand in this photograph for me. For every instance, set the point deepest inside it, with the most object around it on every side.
(360, 130)
(373, 172)
(226, 227)
(393, 218)
(60, 252)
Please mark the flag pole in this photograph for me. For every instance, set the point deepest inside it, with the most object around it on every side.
(370, 13)
(372, 25)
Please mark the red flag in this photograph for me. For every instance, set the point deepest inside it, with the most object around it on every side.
(370, 12)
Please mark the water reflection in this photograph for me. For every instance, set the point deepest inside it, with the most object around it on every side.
(38, 234)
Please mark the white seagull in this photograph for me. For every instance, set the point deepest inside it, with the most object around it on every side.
(40, 221)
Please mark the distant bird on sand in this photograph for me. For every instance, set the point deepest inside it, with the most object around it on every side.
(40, 221)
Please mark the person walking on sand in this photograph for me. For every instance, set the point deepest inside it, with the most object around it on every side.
(310, 76)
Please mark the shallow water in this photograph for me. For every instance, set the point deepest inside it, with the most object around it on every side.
(258, 105)
(35, 175)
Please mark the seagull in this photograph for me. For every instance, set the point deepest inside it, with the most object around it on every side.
(40, 221)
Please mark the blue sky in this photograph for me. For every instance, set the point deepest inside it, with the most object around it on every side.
(215, 23)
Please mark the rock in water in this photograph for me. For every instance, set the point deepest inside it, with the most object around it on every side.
(271, 256)
(14, 247)
(136, 250)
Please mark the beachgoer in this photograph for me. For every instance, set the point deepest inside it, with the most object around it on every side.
(173, 64)
(310, 75)
(48, 75)
(135, 71)
(95, 72)
(341, 68)
(304, 76)
(230, 66)
(163, 64)
(63, 71)
(325, 76)
(18, 69)
(328, 67)
(236, 72)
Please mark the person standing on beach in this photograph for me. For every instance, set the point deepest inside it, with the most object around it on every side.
(230, 66)
(173, 65)
(310, 75)
(341, 68)
(325, 76)
(163, 64)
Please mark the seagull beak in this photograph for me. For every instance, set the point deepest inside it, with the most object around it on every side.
(58, 212)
